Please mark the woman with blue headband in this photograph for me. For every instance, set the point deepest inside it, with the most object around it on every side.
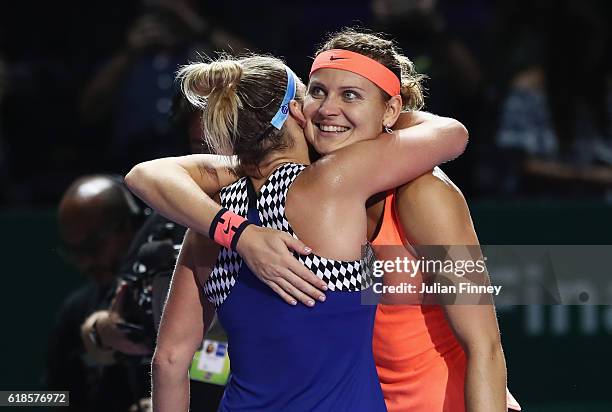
(282, 357)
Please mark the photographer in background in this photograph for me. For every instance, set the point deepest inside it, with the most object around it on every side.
(98, 218)
(125, 331)
(127, 328)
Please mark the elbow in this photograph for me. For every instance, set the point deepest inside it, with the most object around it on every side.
(461, 136)
(456, 135)
(170, 361)
(137, 178)
(487, 348)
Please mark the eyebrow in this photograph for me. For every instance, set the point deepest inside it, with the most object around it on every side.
(319, 84)
(314, 83)
(352, 87)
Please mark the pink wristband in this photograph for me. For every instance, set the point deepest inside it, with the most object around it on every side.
(227, 227)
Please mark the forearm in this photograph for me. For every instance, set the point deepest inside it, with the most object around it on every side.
(485, 381)
(180, 332)
(172, 190)
(170, 387)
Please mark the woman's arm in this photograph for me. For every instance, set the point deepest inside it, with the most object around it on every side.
(390, 160)
(410, 119)
(433, 211)
(180, 333)
(174, 186)
(181, 188)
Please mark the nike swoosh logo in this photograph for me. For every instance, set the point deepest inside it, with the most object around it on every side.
(332, 58)
(226, 230)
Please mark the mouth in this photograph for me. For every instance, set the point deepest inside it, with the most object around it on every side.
(332, 128)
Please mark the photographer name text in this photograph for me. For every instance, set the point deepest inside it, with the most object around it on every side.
(437, 289)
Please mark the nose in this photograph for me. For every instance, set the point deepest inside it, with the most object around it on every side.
(329, 107)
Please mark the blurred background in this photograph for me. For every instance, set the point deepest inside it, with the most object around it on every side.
(88, 87)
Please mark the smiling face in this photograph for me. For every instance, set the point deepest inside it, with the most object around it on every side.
(342, 108)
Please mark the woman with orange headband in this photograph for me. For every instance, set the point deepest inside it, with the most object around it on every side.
(429, 357)
(420, 361)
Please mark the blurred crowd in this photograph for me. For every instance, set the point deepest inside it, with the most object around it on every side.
(88, 87)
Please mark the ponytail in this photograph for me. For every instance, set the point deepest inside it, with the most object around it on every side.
(213, 86)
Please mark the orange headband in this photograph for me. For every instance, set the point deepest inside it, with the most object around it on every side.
(359, 64)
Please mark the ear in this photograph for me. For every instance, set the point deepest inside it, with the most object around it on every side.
(295, 108)
(393, 110)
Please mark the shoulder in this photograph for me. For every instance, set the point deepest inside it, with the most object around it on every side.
(325, 176)
(433, 210)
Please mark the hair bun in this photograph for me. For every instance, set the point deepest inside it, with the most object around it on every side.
(200, 80)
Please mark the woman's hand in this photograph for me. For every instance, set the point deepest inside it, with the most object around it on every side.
(267, 252)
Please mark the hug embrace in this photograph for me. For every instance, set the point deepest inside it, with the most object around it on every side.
(254, 205)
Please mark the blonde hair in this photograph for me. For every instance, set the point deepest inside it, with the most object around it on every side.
(375, 46)
(239, 98)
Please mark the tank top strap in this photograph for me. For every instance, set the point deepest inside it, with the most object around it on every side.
(272, 197)
(252, 212)
(388, 233)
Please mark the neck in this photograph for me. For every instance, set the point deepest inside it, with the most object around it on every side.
(274, 160)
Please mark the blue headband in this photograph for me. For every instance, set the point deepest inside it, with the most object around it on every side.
(283, 112)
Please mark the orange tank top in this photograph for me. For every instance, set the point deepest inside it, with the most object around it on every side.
(420, 363)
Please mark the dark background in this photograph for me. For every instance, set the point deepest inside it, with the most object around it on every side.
(476, 52)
